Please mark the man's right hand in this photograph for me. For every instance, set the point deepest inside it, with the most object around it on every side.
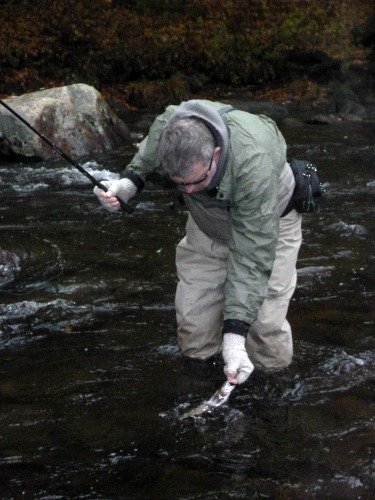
(124, 189)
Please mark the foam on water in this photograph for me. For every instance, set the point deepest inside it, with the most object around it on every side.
(29, 179)
(315, 271)
(29, 188)
(336, 374)
(348, 230)
(168, 350)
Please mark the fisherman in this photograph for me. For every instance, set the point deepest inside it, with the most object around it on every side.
(237, 263)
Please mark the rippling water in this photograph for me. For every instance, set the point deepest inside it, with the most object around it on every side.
(93, 388)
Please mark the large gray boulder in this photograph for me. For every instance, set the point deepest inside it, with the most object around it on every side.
(76, 118)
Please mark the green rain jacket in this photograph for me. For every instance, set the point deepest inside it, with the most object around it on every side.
(242, 207)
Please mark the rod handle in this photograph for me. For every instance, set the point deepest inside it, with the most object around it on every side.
(124, 206)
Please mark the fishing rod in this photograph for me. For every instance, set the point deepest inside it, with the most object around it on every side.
(127, 208)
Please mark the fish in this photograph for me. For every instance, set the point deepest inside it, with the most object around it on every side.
(220, 397)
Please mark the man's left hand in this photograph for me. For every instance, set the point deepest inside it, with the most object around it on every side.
(238, 366)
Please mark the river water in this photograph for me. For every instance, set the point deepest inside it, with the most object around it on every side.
(92, 385)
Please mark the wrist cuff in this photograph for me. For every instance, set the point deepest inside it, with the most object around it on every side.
(135, 178)
(236, 326)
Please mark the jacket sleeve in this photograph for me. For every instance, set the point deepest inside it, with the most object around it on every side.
(146, 160)
(252, 245)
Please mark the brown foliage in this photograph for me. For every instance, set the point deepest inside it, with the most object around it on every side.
(115, 41)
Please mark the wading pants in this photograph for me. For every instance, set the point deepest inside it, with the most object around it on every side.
(202, 267)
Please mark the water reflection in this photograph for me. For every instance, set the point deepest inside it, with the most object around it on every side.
(92, 385)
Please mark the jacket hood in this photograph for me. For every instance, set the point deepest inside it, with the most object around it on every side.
(212, 118)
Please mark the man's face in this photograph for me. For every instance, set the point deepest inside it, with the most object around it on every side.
(199, 176)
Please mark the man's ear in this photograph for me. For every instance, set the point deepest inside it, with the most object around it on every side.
(217, 153)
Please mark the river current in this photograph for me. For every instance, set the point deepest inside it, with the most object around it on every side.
(92, 385)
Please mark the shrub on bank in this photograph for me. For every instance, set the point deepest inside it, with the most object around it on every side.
(104, 42)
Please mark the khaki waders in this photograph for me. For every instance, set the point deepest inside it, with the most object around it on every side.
(201, 268)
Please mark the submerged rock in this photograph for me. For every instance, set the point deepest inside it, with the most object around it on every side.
(9, 266)
(323, 119)
(348, 229)
(272, 109)
(76, 118)
(8, 259)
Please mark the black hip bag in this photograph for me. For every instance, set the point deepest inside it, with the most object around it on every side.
(308, 190)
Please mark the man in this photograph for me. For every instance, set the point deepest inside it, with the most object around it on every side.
(237, 263)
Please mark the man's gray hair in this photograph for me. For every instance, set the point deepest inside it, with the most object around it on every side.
(184, 143)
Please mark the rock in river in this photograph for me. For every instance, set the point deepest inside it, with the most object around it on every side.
(9, 265)
(76, 118)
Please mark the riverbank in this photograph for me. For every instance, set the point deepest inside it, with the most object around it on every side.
(144, 55)
(350, 98)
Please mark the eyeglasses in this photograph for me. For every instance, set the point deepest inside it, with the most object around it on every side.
(184, 184)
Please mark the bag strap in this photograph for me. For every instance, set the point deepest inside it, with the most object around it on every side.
(225, 109)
